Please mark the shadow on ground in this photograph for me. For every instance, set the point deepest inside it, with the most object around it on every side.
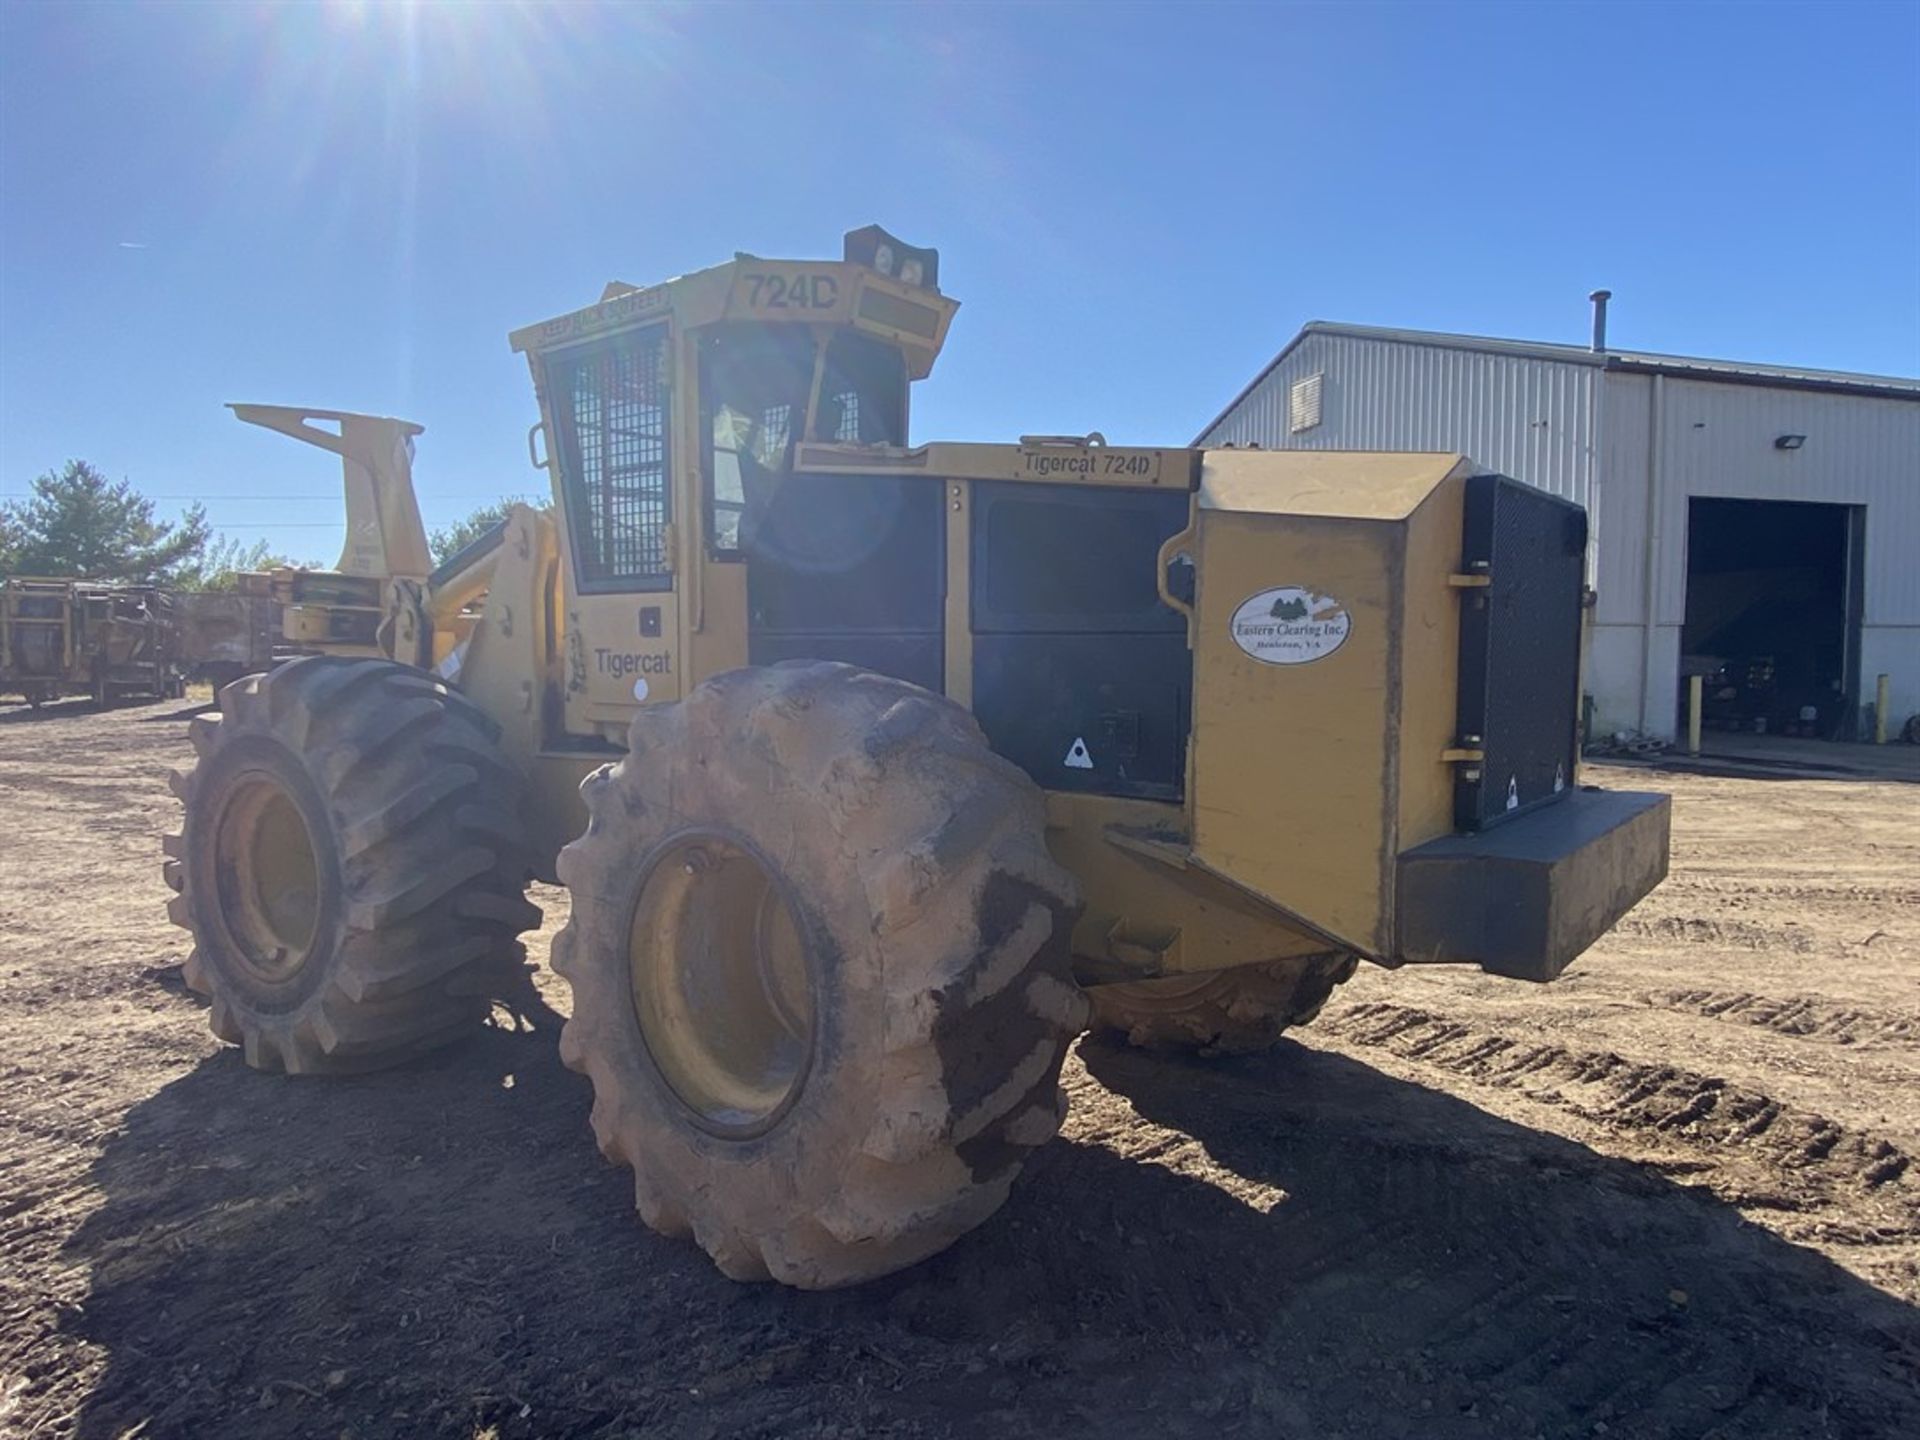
(16, 714)
(185, 710)
(439, 1250)
(75, 706)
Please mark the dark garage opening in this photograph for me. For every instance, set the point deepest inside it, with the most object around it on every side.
(1773, 615)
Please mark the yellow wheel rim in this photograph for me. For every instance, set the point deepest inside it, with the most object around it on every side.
(721, 983)
(268, 879)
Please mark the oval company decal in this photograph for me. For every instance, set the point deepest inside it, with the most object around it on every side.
(1290, 625)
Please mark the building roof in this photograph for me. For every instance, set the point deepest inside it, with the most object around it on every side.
(1646, 362)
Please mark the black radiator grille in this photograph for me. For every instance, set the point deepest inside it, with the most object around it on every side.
(1519, 649)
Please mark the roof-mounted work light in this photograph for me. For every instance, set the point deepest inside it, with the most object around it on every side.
(894, 258)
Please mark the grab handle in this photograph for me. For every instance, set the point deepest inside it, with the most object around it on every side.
(1177, 550)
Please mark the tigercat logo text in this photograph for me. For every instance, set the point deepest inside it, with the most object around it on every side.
(620, 665)
(1122, 465)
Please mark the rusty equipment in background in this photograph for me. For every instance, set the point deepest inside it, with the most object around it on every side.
(76, 637)
(225, 634)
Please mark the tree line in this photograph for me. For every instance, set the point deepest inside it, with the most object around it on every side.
(78, 523)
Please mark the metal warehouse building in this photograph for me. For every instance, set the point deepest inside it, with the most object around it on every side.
(1756, 524)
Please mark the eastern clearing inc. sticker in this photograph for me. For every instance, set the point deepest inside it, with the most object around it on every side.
(1290, 625)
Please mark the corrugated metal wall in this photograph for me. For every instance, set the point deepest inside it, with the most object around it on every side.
(1530, 418)
(1585, 433)
(1617, 637)
(1718, 440)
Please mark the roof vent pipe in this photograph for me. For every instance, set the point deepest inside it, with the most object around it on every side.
(1599, 299)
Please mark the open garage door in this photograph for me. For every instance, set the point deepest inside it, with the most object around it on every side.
(1773, 615)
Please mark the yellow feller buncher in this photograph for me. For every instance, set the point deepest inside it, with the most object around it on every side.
(877, 773)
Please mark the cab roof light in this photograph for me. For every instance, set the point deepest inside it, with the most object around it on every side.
(873, 247)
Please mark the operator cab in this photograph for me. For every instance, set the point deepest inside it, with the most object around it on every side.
(673, 415)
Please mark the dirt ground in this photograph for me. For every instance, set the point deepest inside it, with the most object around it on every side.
(1671, 1195)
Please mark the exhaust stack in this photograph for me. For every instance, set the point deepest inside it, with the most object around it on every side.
(1599, 299)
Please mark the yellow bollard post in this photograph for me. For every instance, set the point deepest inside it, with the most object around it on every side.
(1882, 698)
(1696, 685)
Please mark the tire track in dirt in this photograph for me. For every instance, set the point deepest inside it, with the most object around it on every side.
(1816, 1157)
(1579, 1335)
(1699, 930)
(1415, 1178)
(1801, 1016)
(1851, 894)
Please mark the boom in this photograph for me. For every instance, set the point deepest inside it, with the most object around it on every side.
(385, 538)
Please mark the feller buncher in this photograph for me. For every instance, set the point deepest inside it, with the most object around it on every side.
(875, 773)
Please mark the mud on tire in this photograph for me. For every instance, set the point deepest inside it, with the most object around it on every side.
(938, 999)
(351, 867)
(1221, 1012)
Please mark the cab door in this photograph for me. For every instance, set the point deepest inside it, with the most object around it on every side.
(610, 412)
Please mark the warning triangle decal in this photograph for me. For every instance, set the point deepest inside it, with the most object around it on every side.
(1078, 757)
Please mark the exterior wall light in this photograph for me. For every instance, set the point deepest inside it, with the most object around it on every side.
(1789, 442)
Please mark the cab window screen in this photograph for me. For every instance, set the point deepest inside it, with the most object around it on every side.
(610, 404)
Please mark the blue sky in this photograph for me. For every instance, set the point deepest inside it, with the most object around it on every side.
(350, 205)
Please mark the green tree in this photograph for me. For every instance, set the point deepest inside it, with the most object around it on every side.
(10, 539)
(78, 522)
(224, 559)
(450, 541)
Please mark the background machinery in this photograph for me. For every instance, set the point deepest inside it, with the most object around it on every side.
(60, 636)
(79, 637)
(224, 634)
(873, 772)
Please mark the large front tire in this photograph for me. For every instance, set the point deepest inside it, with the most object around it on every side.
(819, 959)
(1221, 1012)
(352, 866)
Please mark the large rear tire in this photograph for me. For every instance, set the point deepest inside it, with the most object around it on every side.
(351, 866)
(1221, 1012)
(819, 959)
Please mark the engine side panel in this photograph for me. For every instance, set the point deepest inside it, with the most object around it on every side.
(1081, 676)
(851, 568)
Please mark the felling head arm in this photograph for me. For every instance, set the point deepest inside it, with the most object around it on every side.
(384, 535)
